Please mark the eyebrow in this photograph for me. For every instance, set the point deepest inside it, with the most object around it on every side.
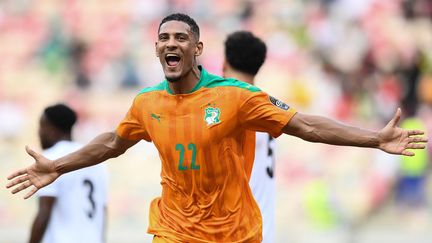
(190, 35)
(176, 33)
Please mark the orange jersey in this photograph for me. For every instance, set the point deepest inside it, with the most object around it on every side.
(249, 152)
(201, 140)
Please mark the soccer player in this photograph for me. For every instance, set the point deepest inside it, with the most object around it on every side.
(71, 209)
(198, 122)
(244, 56)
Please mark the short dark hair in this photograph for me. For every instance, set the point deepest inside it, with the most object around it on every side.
(61, 116)
(185, 19)
(245, 52)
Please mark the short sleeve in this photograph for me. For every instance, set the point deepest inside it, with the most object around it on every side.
(264, 113)
(132, 127)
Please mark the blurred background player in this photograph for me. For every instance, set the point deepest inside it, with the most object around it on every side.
(244, 56)
(73, 208)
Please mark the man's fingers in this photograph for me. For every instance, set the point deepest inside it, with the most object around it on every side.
(22, 187)
(415, 132)
(31, 192)
(17, 173)
(31, 152)
(395, 120)
(408, 153)
(415, 146)
(17, 181)
(418, 140)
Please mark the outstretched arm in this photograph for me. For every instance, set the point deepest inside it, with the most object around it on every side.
(44, 171)
(103, 147)
(391, 139)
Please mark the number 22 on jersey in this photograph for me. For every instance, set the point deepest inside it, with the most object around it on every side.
(181, 163)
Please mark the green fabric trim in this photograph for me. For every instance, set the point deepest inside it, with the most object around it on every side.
(207, 80)
(157, 87)
(233, 83)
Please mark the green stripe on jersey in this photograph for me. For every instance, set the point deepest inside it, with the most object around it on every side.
(207, 80)
(158, 87)
(233, 83)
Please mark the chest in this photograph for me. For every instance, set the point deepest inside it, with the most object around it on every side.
(201, 119)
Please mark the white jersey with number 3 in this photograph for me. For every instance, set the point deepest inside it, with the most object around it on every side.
(78, 214)
(262, 183)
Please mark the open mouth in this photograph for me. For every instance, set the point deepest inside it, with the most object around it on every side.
(172, 60)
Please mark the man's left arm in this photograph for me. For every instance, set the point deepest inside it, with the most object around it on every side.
(391, 139)
(41, 221)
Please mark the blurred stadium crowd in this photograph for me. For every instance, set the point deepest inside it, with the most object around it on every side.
(353, 60)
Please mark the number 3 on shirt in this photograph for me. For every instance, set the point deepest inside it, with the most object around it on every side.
(90, 185)
(191, 147)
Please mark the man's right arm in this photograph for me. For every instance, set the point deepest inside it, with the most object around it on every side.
(105, 146)
(44, 171)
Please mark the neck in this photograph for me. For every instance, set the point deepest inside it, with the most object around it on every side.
(65, 137)
(187, 82)
(250, 79)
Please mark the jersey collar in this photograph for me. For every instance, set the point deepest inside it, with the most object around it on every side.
(204, 79)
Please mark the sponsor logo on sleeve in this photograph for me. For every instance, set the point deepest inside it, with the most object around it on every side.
(278, 103)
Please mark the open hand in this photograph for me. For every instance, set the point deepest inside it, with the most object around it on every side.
(395, 140)
(38, 175)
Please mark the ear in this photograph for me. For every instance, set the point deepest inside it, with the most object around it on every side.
(199, 48)
(157, 54)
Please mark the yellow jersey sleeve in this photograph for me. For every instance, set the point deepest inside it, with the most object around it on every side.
(264, 113)
(132, 126)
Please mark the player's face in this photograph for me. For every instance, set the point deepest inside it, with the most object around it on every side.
(46, 133)
(177, 49)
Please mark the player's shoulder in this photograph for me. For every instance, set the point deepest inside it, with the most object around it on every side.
(234, 84)
(97, 173)
(61, 148)
(158, 87)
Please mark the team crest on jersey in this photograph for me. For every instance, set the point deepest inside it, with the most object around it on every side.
(278, 103)
(211, 115)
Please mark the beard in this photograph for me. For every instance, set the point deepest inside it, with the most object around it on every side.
(176, 78)
(173, 79)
